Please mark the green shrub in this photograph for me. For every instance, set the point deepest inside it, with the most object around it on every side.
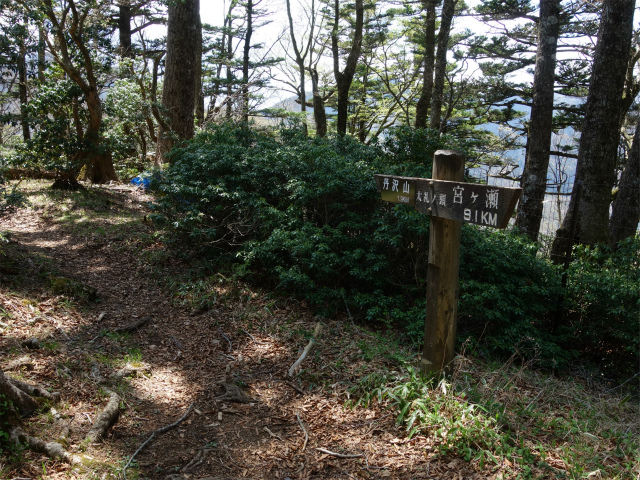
(508, 296)
(603, 291)
(54, 142)
(303, 215)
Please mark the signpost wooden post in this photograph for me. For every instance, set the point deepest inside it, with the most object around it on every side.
(449, 201)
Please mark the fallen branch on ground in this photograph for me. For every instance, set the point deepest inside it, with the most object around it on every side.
(198, 459)
(295, 387)
(253, 338)
(160, 430)
(339, 455)
(226, 338)
(306, 435)
(307, 349)
(266, 429)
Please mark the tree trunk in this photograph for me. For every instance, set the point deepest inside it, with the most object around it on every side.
(124, 30)
(448, 9)
(97, 156)
(245, 61)
(229, 70)
(41, 55)
(300, 61)
(319, 114)
(600, 132)
(178, 94)
(422, 107)
(80, 69)
(344, 78)
(626, 206)
(22, 85)
(534, 178)
(199, 105)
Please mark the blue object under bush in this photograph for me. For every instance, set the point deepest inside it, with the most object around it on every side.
(141, 182)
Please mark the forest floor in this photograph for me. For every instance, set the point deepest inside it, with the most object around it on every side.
(219, 351)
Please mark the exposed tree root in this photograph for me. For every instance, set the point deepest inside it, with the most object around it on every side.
(22, 402)
(34, 390)
(127, 370)
(307, 349)
(24, 361)
(67, 183)
(107, 417)
(25, 404)
(50, 449)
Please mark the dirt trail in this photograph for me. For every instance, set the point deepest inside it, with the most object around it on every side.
(242, 347)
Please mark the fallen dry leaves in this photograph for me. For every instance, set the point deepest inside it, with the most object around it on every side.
(188, 356)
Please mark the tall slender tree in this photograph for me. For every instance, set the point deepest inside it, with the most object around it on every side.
(345, 77)
(301, 55)
(424, 102)
(440, 70)
(597, 156)
(178, 93)
(69, 46)
(625, 213)
(534, 178)
(22, 78)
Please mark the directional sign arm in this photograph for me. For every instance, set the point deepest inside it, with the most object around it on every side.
(476, 203)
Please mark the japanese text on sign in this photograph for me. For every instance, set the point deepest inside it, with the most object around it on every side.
(467, 202)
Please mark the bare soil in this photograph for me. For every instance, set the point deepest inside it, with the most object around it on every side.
(186, 356)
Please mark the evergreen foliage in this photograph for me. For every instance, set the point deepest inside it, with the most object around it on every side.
(303, 215)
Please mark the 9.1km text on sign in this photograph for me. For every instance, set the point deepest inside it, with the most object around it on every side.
(485, 205)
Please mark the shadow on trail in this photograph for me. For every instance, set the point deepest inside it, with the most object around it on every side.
(271, 430)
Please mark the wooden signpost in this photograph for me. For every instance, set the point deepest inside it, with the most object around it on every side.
(449, 201)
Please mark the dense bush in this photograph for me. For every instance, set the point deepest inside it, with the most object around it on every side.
(303, 215)
(54, 143)
(603, 292)
(509, 295)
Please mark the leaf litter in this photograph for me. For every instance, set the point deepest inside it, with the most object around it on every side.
(231, 362)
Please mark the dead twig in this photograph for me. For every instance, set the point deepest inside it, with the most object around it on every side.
(306, 435)
(253, 338)
(160, 430)
(295, 387)
(338, 455)
(307, 349)
(225, 337)
(266, 429)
